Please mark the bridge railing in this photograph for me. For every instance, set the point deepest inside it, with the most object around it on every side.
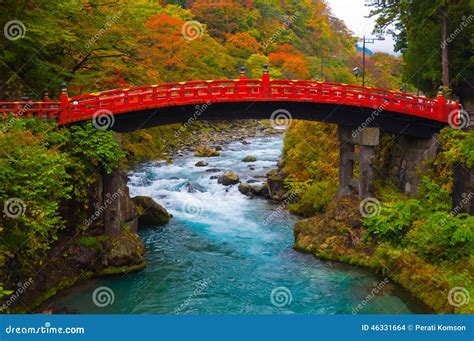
(118, 101)
(30, 109)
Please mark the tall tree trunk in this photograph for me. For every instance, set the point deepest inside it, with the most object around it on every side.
(444, 49)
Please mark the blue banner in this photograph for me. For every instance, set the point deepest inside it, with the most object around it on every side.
(237, 327)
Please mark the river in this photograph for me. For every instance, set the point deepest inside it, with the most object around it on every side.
(222, 254)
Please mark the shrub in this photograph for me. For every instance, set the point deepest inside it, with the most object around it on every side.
(313, 198)
(394, 220)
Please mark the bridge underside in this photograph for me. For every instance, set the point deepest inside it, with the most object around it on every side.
(386, 121)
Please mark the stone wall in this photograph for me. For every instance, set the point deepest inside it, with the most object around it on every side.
(410, 160)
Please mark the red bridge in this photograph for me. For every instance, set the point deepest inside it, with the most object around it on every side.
(147, 106)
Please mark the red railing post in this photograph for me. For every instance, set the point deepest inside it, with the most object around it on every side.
(266, 89)
(63, 102)
(442, 115)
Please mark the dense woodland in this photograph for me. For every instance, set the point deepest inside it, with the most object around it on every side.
(98, 45)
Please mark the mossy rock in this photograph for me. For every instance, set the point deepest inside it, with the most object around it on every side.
(229, 178)
(206, 151)
(124, 250)
(249, 158)
(150, 213)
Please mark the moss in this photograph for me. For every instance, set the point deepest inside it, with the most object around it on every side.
(338, 235)
(118, 270)
(88, 241)
(64, 284)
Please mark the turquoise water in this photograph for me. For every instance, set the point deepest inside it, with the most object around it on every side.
(222, 254)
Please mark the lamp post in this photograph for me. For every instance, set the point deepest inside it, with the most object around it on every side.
(367, 41)
(322, 66)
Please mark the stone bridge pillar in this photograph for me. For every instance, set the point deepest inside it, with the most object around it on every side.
(367, 139)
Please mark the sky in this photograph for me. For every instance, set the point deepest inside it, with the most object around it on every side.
(353, 13)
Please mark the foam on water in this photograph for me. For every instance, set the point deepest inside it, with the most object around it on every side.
(222, 237)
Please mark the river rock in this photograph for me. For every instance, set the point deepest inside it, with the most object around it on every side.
(218, 148)
(206, 151)
(150, 213)
(213, 170)
(244, 188)
(125, 250)
(229, 178)
(201, 164)
(249, 158)
(276, 185)
(245, 142)
(254, 190)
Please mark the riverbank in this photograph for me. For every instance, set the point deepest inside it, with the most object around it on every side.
(339, 235)
(85, 249)
(227, 253)
(416, 238)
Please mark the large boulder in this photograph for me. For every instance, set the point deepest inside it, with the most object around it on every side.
(126, 250)
(254, 190)
(206, 151)
(249, 158)
(150, 213)
(276, 184)
(229, 178)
